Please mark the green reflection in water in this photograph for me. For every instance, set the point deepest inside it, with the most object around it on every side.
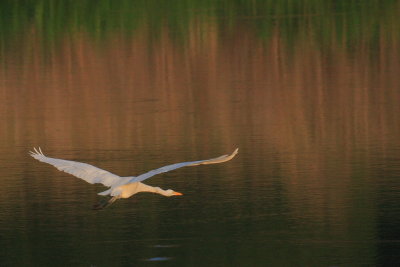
(351, 21)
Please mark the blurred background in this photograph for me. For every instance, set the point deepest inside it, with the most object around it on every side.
(308, 90)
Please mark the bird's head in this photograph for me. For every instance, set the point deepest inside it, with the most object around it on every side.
(171, 193)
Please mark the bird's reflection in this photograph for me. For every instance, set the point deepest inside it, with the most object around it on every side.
(158, 259)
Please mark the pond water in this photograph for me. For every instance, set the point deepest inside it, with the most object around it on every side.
(309, 94)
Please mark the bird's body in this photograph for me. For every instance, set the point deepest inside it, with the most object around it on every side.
(128, 190)
(120, 187)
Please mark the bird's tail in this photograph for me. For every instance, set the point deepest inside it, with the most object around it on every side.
(105, 193)
(104, 203)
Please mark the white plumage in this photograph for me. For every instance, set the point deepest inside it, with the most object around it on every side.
(120, 187)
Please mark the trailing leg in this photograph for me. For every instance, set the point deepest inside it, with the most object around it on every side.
(104, 203)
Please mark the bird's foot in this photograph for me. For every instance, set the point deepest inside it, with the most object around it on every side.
(101, 205)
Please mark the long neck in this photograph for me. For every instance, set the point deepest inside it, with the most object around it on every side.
(147, 188)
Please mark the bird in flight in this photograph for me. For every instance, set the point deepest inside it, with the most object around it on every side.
(120, 187)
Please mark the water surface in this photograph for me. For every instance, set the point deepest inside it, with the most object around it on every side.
(310, 96)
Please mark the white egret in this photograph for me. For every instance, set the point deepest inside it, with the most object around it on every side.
(120, 187)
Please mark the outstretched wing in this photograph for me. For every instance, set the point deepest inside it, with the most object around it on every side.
(84, 171)
(168, 168)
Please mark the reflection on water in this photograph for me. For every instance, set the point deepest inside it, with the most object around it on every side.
(158, 259)
(316, 182)
(165, 246)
